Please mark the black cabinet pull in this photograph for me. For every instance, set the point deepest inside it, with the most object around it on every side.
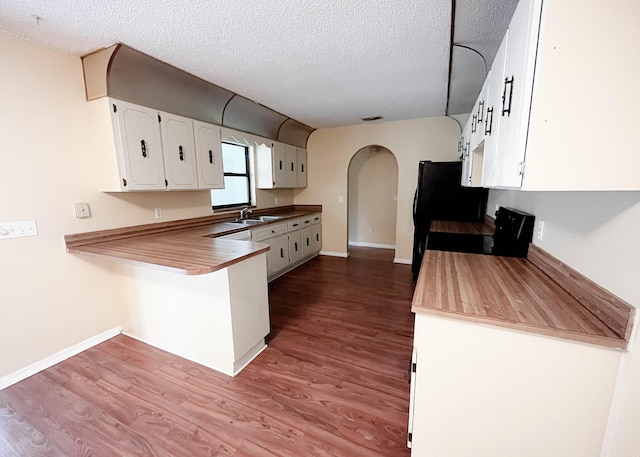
(292, 167)
(302, 167)
(480, 112)
(181, 153)
(317, 237)
(507, 109)
(281, 253)
(281, 164)
(295, 225)
(474, 123)
(143, 146)
(307, 241)
(488, 123)
(210, 156)
(306, 222)
(296, 246)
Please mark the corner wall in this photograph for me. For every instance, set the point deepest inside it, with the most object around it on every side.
(329, 153)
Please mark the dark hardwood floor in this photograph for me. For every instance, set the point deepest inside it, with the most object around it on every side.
(333, 381)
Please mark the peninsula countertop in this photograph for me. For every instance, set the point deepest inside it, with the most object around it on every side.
(507, 292)
(187, 246)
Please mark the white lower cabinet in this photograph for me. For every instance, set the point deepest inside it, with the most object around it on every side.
(291, 243)
(485, 391)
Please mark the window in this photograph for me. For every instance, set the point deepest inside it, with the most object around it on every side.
(237, 178)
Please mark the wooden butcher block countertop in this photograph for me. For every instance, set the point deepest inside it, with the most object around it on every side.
(539, 294)
(187, 246)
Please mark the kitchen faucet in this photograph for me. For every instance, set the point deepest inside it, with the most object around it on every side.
(244, 212)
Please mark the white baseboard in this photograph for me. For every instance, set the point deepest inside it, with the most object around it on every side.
(58, 357)
(403, 261)
(371, 245)
(334, 253)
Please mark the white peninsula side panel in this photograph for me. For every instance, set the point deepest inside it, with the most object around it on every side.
(218, 319)
(485, 391)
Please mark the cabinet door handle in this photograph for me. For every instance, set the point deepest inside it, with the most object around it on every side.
(488, 123)
(292, 167)
(210, 156)
(480, 112)
(281, 164)
(474, 123)
(296, 246)
(507, 109)
(318, 237)
(307, 241)
(181, 153)
(302, 168)
(143, 146)
(281, 253)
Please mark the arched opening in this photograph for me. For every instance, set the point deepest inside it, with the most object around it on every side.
(372, 199)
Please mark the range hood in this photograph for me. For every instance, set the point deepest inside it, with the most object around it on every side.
(126, 74)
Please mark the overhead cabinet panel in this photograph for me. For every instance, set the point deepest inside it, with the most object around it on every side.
(179, 151)
(138, 146)
(301, 163)
(209, 156)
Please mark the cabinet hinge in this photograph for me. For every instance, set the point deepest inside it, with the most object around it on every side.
(520, 168)
(410, 437)
(414, 367)
(124, 182)
(115, 108)
(166, 183)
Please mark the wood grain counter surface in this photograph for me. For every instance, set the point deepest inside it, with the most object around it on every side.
(507, 292)
(187, 247)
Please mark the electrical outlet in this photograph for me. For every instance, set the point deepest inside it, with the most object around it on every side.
(158, 213)
(17, 229)
(82, 210)
(340, 199)
(540, 233)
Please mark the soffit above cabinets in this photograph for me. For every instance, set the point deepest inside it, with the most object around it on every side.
(324, 64)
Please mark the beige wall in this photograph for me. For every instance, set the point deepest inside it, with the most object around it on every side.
(597, 234)
(54, 152)
(331, 150)
(373, 183)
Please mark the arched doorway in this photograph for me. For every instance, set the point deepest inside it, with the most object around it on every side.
(372, 187)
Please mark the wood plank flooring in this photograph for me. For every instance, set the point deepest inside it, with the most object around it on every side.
(333, 381)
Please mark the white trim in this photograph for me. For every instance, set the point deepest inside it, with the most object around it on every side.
(334, 254)
(402, 261)
(252, 357)
(372, 245)
(58, 357)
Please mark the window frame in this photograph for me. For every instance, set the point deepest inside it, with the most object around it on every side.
(247, 174)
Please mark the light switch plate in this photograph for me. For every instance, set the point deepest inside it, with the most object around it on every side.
(17, 229)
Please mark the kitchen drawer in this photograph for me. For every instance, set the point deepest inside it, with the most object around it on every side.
(294, 224)
(310, 220)
(262, 233)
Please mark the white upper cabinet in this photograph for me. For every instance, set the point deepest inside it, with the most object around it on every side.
(291, 171)
(281, 165)
(492, 115)
(301, 163)
(208, 155)
(138, 146)
(179, 151)
(566, 115)
(271, 165)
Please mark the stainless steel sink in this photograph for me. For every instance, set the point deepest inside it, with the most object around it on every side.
(255, 220)
(269, 218)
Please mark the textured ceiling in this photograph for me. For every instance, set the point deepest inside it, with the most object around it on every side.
(324, 63)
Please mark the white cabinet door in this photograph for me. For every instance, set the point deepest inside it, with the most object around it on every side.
(465, 151)
(492, 120)
(179, 151)
(138, 145)
(311, 240)
(480, 111)
(208, 155)
(517, 86)
(301, 159)
(279, 161)
(278, 254)
(295, 246)
(316, 237)
(291, 155)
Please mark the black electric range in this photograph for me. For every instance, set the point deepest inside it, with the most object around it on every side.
(513, 233)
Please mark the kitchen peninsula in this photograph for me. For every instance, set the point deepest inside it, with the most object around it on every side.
(188, 290)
